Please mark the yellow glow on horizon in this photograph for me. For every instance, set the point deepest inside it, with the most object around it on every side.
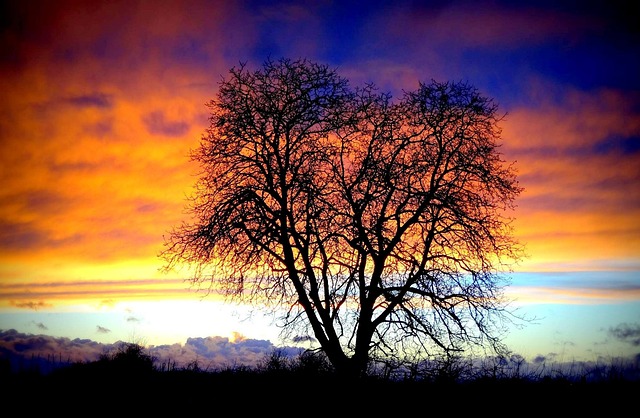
(46, 285)
(577, 241)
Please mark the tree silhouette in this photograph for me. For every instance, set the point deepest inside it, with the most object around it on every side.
(381, 227)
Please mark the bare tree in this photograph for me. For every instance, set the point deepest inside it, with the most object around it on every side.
(381, 227)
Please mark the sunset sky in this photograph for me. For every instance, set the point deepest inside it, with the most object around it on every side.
(102, 102)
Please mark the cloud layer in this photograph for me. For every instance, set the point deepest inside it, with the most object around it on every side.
(25, 351)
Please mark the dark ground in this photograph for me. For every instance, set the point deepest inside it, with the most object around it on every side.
(82, 392)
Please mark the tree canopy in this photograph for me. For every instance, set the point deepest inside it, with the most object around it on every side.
(381, 227)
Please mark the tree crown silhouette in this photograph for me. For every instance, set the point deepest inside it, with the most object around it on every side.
(382, 228)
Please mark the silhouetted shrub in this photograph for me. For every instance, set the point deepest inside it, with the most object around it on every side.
(129, 358)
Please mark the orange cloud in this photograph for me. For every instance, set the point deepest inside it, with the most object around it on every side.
(96, 126)
(580, 170)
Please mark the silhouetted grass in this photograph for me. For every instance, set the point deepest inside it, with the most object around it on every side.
(129, 382)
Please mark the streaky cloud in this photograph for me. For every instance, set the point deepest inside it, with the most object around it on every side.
(157, 124)
(100, 100)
